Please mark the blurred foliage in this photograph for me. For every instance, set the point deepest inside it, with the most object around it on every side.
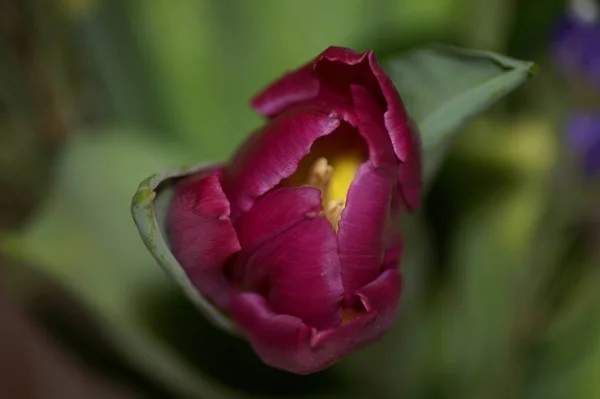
(502, 279)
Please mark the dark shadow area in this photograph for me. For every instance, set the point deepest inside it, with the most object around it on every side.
(73, 327)
(80, 334)
(226, 358)
(461, 188)
(525, 42)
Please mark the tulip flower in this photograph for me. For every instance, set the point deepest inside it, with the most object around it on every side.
(298, 238)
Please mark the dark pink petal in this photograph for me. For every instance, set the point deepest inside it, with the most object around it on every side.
(275, 212)
(338, 103)
(382, 296)
(338, 69)
(377, 104)
(329, 346)
(201, 235)
(396, 118)
(274, 153)
(393, 241)
(292, 88)
(357, 89)
(410, 172)
(371, 127)
(301, 84)
(306, 280)
(285, 342)
(380, 301)
(297, 270)
(341, 54)
(393, 254)
(280, 340)
(345, 74)
(404, 135)
(364, 226)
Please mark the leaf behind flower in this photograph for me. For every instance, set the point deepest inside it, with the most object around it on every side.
(443, 87)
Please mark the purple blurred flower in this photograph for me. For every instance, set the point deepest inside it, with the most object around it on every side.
(576, 42)
(584, 138)
(298, 237)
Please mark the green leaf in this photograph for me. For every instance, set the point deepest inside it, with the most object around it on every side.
(442, 87)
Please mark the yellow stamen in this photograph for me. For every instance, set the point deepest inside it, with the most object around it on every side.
(320, 175)
(331, 167)
(333, 212)
(344, 171)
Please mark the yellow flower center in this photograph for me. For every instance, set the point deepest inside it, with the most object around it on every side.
(331, 167)
(333, 180)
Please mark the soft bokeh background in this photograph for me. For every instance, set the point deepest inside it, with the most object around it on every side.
(503, 268)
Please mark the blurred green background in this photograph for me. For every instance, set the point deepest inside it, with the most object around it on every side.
(502, 296)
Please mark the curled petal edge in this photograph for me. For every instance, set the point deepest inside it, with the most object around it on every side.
(148, 208)
(303, 84)
(285, 342)
(201, 233)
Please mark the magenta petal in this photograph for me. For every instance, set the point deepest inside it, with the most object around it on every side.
(201, 235)
(307, 282)
(341, 54)
(410, 172)
(274, 154)
(371, 127)
(378, 108)
(381, 300)
(377, 83)
(280, 340)
(298, 272)
(404, 135)
(364, 226)
(383, 294)
(396, 118)
(338, 69)
(299, 85)
(275, 212)
(303, 84)
(292, 88)
(393, 233)
(285, 342)
(332, 82)
(393, 255)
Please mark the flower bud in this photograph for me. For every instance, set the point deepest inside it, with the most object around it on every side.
(298, 238)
